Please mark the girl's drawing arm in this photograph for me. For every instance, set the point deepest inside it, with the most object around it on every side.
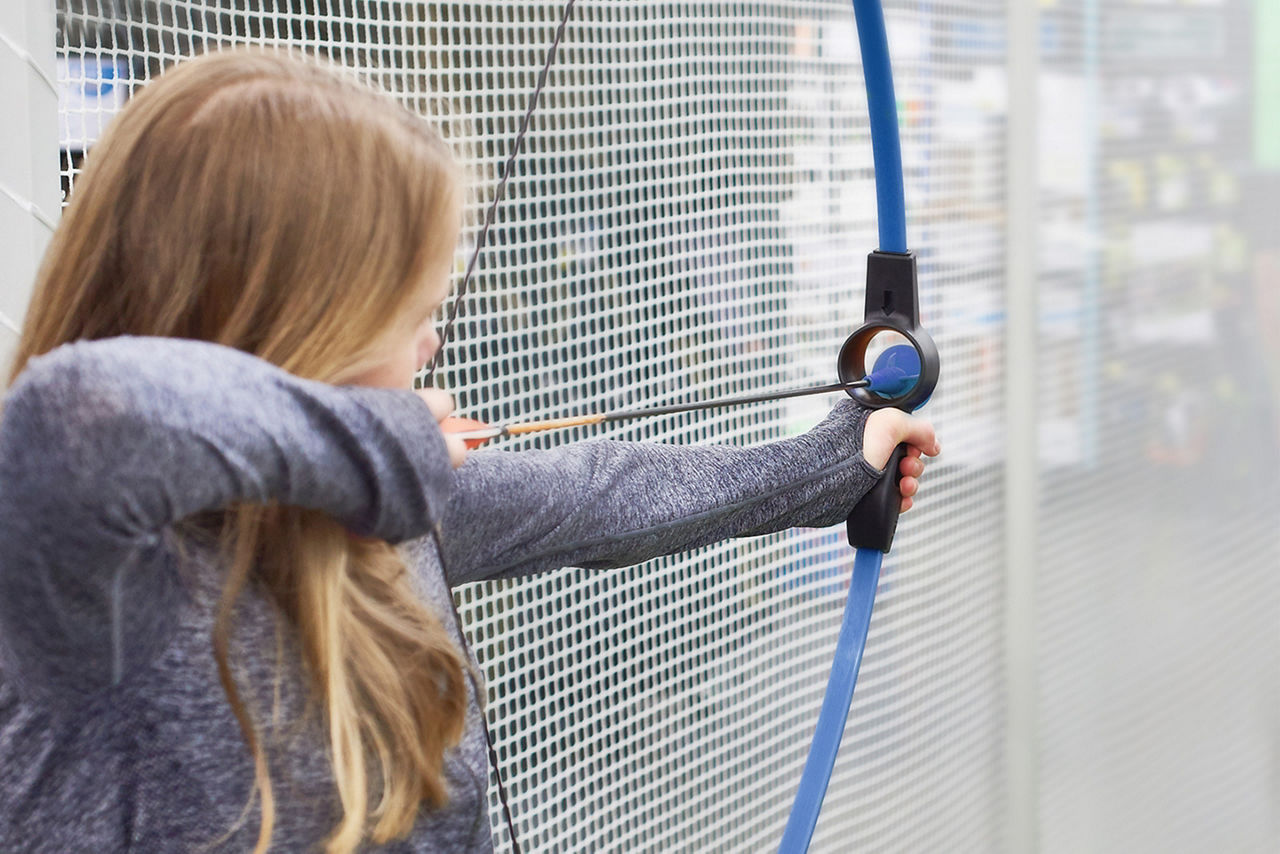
(105, 444)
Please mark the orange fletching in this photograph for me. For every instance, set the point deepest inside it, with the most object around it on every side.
(456, 424)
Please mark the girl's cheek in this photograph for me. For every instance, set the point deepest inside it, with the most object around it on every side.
(428, 344)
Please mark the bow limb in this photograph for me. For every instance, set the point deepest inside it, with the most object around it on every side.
(892, 305)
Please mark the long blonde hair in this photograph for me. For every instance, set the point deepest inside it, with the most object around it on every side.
(253, 199)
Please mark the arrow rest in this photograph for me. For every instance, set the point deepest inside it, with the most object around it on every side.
(892, 305)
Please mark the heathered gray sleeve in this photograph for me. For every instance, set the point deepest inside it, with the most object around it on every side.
(104, 444)
(607, 504)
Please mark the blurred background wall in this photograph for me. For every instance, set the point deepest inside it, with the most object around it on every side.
(1157, 598)
(1076, 645)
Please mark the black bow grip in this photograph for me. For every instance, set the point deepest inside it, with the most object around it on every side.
(893, 305)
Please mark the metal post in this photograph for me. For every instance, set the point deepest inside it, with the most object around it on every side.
(29, 187)
(1022, 460)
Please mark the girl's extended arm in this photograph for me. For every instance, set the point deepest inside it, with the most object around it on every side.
(606, 504)
(104, 444)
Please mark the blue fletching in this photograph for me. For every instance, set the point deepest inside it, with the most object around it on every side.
(896, 371)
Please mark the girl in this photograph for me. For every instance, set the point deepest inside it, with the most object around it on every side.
(226, 548)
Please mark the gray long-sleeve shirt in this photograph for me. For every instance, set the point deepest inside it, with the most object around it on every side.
(115, 733)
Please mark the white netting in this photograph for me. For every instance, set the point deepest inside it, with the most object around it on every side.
(690, 216)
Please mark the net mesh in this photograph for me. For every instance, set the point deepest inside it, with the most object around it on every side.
(690, 217)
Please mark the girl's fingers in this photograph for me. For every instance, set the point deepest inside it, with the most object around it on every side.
(887, 428)
(920, 436)
(457, 450)
(908, 486)
(440, 402)
(911, 467)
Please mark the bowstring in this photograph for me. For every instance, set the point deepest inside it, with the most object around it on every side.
(447, 332)
(456, 306)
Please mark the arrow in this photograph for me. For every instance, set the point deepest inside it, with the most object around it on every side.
(476, 433)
